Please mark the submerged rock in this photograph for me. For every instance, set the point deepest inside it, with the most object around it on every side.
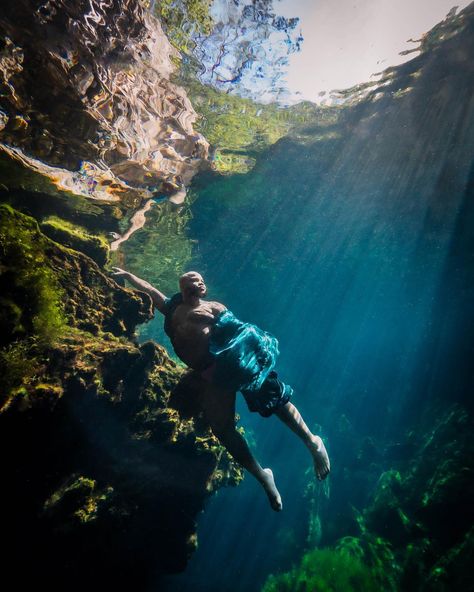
(77, 238)
(107, 455)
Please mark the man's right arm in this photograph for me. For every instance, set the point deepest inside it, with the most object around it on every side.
(157, 297)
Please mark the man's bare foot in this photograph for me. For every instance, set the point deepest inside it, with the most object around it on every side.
(272, 492)
(322, 466)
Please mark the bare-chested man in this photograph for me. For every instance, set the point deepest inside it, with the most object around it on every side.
(189, 325)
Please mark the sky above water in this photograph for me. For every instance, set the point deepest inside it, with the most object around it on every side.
(347, 41)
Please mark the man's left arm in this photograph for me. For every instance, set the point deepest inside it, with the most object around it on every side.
(157, 297)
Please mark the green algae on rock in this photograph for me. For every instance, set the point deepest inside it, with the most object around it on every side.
(139, 463)
(77, 238)
(52, 283)
(32, 296)
(108, 440)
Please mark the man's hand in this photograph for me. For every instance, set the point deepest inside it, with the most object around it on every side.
(119, 272)
(157, 297)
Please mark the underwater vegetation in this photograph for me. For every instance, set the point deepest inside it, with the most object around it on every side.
(326, 570)
(415, 533)
(32, 300)
(77, 237)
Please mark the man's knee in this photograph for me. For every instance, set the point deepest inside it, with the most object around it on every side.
(219, 409)
(223, 427)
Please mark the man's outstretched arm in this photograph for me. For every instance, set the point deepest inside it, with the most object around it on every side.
(157, 297)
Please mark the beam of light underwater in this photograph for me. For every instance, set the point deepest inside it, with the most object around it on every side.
(362, 218)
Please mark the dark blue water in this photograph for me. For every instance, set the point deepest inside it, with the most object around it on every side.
(356, 251)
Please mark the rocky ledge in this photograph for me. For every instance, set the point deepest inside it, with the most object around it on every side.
(107, 458)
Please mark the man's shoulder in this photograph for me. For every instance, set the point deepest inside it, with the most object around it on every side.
(171, 303)
(178, 297)
(217, 306)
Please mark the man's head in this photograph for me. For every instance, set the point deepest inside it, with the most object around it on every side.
(191, 283)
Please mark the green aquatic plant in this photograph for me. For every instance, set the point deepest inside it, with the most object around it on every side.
(325, 570)
(353, 564)
(376, 553)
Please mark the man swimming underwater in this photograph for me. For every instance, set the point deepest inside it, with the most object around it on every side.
(230, 356)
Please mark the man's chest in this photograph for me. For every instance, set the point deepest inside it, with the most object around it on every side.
(184, 316)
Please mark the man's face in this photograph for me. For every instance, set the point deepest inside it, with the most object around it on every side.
(192, 283)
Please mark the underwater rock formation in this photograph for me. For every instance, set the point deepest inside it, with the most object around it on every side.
(107, 459)
(86, 88)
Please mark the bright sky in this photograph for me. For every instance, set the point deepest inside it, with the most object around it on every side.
(346, 41)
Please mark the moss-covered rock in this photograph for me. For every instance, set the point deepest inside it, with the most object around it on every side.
(32, 297)
(47, 285)
(78, 238)
(106, 448)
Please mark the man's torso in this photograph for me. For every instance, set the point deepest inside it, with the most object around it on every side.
(191, 327)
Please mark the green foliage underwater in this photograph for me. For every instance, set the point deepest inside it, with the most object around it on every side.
(327, 570)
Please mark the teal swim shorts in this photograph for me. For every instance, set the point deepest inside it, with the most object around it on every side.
(244, 358)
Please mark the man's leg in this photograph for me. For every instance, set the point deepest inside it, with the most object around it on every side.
(290, 415)
(219, 407)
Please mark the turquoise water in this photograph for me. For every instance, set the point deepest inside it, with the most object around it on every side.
(354, 249)
(346, 231)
